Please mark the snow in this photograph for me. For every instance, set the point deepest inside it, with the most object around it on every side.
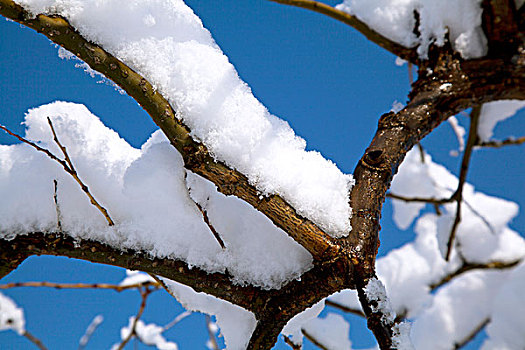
(495, 112)
(460, 132)
(294, 326)
(457, 310)
(166, 43)
(145, 193)
(506, 329)
(331, 331)
(135, 278)
(149, 334)
(236, 324)
(11, 316)
(395, 20)
(375, 293)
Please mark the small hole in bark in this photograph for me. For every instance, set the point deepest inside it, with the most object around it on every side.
(374, 157)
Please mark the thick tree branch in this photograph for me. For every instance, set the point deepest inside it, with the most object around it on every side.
(500, 24)
(196, 156)
(408, 54)
(216, 284)
(446, 86)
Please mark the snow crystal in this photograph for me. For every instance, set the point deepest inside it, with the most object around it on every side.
(145, 192)
(331, 331)
(236, 324)
(166, 43)
(11, 316)
(396, 20)
(495, 112)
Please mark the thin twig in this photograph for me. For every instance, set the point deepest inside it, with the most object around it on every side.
(211, 333)
(407, 54)
(210, 226)
(465, 162)
(89, 331)
(313, 340)
(34, 340)
(67, 165)
(57, 206)
(144, 294)
(472, 335)
(115, 287)
(289, 342)
(498, 144)
(431, 200)
(344, 308)
(74, 174)
(466, 267)
(176, 320)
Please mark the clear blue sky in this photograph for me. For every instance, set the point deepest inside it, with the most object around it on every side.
(321, 76)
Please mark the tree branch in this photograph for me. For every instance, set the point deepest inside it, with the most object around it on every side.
(466, 267)
(115, 287)
(472, 335)
(38, 343)
(344, 308)
(408, 54)
(313, 340)
(144, 293)
(465, 162)
(196, 156)
(498, 144)
(446, 85)
(217, 284)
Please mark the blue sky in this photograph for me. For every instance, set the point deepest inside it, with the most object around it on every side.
(321, 76)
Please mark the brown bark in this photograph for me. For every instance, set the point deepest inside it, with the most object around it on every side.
(446, 85)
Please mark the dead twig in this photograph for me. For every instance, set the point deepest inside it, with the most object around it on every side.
(34, 340)
(465, 162)
(176, 320)
(89, 331)
(114, 287)
(498, 144)
(408, 54)
(210, 226)
(313, 340)
(211, 333)
(289, 342)
(144, 293)
(344, 308)
(466, 267)
(57, 207)
(472, 335)
(66, 164)
(71, 170)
